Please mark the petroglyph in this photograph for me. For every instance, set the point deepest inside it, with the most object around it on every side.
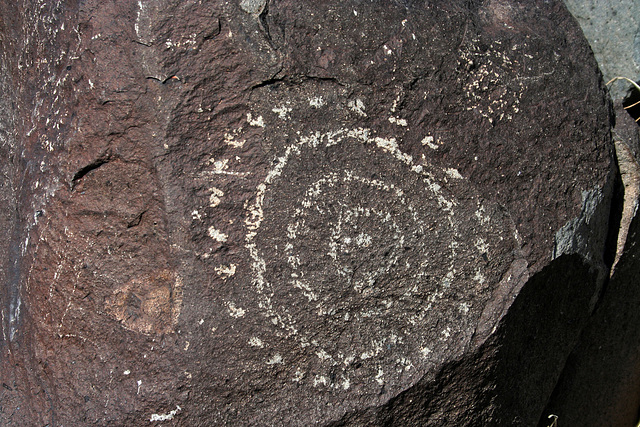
(374, 249)
(149, 304)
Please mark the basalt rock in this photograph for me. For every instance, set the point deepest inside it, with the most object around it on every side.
(292, 212)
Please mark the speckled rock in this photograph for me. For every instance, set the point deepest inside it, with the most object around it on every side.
(296, 212)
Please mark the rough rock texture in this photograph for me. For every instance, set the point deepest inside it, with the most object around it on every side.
(294, 212)
(613, 30)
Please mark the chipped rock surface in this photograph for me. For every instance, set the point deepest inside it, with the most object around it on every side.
(260, 212)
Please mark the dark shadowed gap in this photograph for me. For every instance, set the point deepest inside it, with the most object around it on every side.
(631, 103)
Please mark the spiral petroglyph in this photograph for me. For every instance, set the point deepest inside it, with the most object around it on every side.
(360, 262)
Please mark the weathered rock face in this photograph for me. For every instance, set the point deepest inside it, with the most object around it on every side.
(283, 212)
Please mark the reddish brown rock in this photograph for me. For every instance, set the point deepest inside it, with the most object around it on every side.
(283, 212)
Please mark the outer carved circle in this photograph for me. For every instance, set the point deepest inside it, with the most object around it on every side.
(369, 256)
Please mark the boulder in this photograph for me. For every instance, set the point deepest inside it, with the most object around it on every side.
(293, 213)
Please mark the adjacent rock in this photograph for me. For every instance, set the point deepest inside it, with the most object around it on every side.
(296, 212)
(613, 30)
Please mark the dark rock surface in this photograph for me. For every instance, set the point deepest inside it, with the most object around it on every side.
(294, 213)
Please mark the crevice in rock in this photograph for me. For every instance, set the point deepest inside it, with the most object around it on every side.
(268, 82)
(85, 170)
(137, 220)
(615, 218)
(323, 79)
(631, 103)
(265, 24)
(215, 32)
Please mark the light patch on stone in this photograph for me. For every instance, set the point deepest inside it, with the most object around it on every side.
(394, 106)
(282, 112)
(298, 376)
(320, 380)
(220, 166)
(323, 355)
(226, 271)
(479, 277)
(253, 7)
(306, 289)
(275, 360)
(196, 215)
(447, 332)
(405, 363)
(376, 347)
(217, 235)
(256, 342)
(380, 376)
(231, 139)
(453, 173)
(294, 261)
(317, 102)
(425, 351)
(387, 50)
(127, 372)
(257, 122)
(482, 245)
(464, 307)
(234, 311)
(357, 106)
(482, 215)
(398, 121)
(166, 417)
(149, 303)
(136, 26)
(214, 198)
(391, 145)
(292, 230)
(428, 141)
